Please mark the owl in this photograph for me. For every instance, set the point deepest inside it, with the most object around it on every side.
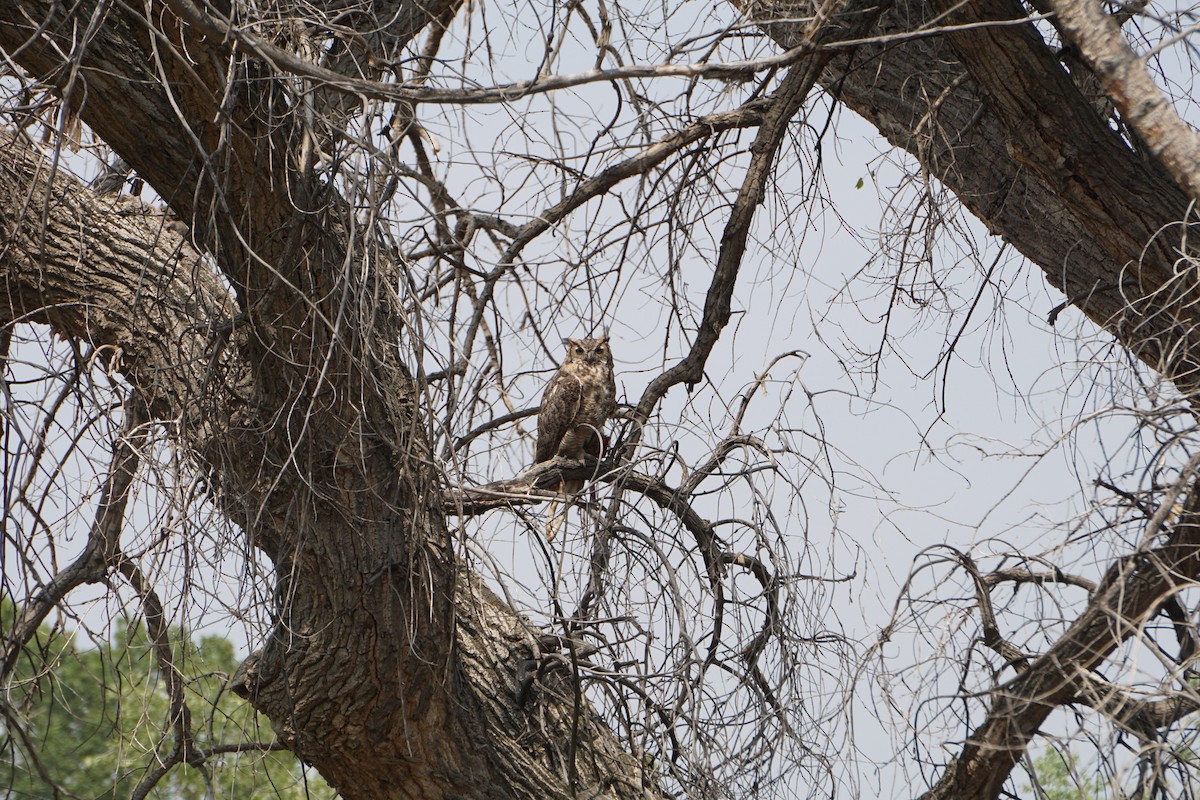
(577, 402)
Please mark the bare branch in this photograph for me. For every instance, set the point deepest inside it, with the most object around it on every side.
(747, 116)
(493, 424)
(215, 26)
(101, 553)
(1131, 591)
(1020, 575)
(836, 20)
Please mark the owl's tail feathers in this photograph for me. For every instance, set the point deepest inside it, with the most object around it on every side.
(557, 517)
(557, 512)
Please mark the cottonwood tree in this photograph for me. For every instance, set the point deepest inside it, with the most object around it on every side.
(366, 223)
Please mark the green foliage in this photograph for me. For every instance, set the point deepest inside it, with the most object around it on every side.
(1058, 778)
(91, 722)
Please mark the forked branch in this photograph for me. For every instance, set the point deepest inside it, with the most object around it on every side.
(835, 21)
(102, 551)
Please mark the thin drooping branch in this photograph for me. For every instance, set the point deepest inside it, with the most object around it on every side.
(1128, 83)
(15, 728)
(101, 554)
(772, 625)
(725, 448)
(537, 484)
(836, 20)
(103, 557)
(178, 716)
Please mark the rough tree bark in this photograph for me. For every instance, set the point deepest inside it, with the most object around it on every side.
(390, 669)
(379, 716)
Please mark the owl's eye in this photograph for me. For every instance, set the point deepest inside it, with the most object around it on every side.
(600, 349)
(578, 351)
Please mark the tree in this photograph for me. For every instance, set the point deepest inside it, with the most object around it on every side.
(314, 334)
(93, 721)
(1059, 778)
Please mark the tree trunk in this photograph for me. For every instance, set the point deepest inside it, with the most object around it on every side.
(389, 669)
(395, 675)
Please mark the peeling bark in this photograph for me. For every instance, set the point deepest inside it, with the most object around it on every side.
(1127, 82)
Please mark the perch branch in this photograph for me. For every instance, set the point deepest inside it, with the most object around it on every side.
(1141, 717)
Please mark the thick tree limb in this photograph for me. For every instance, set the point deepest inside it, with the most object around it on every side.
(1140, 716)
(428, 703)
(170, 138)
(1128, 83)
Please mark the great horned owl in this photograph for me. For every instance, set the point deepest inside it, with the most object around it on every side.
(577, 402)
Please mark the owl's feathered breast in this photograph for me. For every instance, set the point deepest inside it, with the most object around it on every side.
(577, 402)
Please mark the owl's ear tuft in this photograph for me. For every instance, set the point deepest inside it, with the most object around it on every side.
(568, 341)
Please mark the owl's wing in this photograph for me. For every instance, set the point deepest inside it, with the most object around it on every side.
(560, 405)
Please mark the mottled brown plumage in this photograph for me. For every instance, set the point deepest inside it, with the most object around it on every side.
(579, 399)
